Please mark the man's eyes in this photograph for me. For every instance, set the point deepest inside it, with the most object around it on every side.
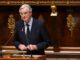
(24, 13)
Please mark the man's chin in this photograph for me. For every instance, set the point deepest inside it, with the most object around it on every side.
(25, 20)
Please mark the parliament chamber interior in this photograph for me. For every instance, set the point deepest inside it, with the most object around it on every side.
(62, 19)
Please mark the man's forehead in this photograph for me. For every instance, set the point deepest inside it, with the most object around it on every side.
(24, 10)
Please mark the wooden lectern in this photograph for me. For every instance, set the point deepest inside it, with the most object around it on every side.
(35, 57)
(14, 55)
(10, 53)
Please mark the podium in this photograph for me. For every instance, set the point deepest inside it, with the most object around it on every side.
(19, 55)
(35, 57)
(10, 53)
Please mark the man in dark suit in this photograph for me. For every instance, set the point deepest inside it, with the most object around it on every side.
(37, 40)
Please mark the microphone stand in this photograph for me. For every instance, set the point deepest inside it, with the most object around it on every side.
(29, 50)
(31, 55)
(0, 52)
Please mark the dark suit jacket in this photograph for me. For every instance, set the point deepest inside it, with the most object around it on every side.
(38, 35)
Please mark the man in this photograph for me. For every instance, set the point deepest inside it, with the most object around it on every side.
(38, 38)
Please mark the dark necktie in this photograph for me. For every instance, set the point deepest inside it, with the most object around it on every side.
(27, 33)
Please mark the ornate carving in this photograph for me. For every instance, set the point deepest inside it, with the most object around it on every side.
(70, 23)
(11, 23)
(54, 10)
(50, 2)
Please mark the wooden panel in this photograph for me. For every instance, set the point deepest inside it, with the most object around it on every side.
(64, 34)
(5, 35)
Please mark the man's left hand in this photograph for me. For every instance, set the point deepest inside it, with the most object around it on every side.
(32, 47)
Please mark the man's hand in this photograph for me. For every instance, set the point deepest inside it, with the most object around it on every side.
(32, 47)
(22, 47)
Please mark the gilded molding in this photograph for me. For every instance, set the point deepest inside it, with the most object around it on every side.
(40, 2)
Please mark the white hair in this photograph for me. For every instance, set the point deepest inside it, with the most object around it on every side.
(27, 6)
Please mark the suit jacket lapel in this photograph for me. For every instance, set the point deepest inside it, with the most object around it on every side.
(33, 29)
(22, 28)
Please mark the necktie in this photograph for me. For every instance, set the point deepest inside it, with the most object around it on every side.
(27, 33)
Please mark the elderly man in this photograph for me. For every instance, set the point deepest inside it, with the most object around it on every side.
(30, 34)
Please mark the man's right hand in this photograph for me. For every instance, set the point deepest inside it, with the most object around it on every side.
(22, 47)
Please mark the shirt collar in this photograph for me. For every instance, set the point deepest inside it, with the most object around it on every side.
(30, 22)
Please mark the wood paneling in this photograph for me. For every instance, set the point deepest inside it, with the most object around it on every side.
(63, 31)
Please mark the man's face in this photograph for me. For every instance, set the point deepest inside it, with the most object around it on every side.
(25, 14)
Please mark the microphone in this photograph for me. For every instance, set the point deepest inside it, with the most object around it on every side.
(30, 52)
(0, 52)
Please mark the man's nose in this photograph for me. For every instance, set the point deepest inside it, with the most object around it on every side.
(23, 15)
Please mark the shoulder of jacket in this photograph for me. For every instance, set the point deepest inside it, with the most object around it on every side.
(39, 21)
(19, 21)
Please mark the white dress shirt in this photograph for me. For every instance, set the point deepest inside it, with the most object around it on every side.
(30, 25)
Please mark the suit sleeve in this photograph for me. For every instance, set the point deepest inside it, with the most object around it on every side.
(16, 37)
(45, 38)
